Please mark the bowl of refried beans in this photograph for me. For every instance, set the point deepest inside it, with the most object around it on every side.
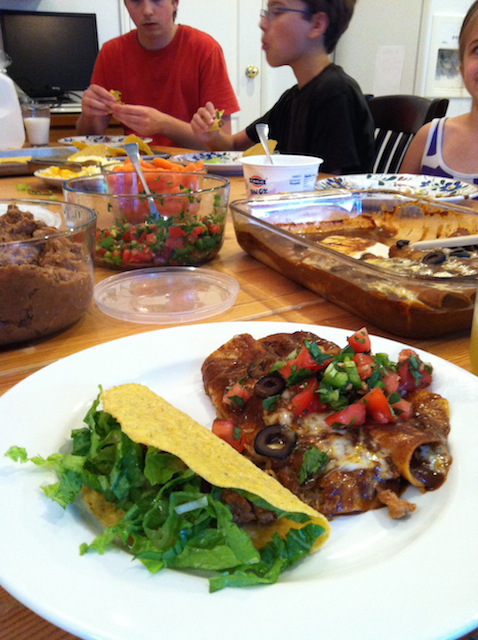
(46, 267)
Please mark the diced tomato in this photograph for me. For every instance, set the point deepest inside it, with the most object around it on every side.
(360, 341)
(176, 232)
(413, 373)
(402, 409)
(391, 382)
(195, 233)
(236, 396)
(306, 401)
(286, 370)
(227, 431)
(352, 416)
(377, 406)
(214, 228)
(305, 361)
(364, 364)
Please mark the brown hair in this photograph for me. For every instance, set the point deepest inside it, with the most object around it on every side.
(465, 28)
(339, 13)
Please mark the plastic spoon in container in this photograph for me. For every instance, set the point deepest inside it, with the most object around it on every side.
(132, 152)
(263, 133)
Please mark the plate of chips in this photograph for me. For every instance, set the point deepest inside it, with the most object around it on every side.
(110, 141)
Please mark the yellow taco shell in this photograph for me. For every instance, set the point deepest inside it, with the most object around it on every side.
(148, 419)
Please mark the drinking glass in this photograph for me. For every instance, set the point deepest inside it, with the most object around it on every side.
(36, 118)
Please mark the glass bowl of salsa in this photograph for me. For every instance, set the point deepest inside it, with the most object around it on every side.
(188, 229)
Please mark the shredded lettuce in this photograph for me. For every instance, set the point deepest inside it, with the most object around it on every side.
(145, 486)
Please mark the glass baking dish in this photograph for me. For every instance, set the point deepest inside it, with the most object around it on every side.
(287, 232)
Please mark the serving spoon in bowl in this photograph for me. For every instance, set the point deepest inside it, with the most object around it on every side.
(262, 130)
(132, 151)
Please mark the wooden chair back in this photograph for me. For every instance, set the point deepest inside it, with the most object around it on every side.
(397, 119)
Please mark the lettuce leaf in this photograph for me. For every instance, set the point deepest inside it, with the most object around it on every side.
(146, 486)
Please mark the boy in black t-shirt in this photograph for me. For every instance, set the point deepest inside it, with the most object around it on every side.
(325, 114)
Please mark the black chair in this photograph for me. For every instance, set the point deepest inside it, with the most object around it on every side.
(397, 119)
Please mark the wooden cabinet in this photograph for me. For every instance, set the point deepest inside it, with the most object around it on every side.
(63, 125)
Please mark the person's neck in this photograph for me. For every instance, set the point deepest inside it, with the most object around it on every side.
(155, 44)
(309, 67)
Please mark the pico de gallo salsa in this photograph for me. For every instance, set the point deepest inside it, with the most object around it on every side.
(178, 239)
(351, 388)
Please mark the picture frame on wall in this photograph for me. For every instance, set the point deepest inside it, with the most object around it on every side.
(443, 77)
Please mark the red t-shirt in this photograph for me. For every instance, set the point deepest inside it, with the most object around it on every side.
(176, 80)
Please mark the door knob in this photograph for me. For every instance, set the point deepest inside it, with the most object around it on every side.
(252, 71)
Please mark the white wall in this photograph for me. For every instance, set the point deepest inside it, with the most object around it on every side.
(107, 12)
(377, 24)
(404, 24)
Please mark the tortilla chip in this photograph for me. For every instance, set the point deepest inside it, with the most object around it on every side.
(90, 150)
(104, 512)
(142, 146)
(218, 121)
(116, 95)
(148, 419)
(15, 160)
(258, 149)
(79, 145)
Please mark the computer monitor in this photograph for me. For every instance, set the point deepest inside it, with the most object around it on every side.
(52, 54)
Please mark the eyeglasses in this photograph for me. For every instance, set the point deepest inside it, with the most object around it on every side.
(272, 14)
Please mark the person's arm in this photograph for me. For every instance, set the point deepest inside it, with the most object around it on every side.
(147, 121)
(221, 140)
(96, 107)
(412, 162)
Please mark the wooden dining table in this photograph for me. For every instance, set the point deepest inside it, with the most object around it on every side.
(264, 295)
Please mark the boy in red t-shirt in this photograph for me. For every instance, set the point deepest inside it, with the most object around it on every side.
(163, 72)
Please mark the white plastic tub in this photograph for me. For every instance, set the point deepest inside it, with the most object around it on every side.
(288, 173)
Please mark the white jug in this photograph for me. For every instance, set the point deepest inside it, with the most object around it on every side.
(12, 131)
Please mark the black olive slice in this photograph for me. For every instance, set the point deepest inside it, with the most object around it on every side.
(434, 257)
(269, 386)
(402, 243)
(459, 253)
(275, 441)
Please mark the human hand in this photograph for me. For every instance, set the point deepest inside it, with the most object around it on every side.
(97, 101)
(144, 121)
(202, 121)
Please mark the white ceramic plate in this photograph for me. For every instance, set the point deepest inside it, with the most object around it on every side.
(222, 162)
(430, 186)
(55, 183)
(375, 578)
(111, 141)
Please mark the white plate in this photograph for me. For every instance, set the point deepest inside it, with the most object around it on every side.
(430, 186)
(56, 183)
(111, 141)
(222, 162)
(375, 578)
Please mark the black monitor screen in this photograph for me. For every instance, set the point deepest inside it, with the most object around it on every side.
(52, 53)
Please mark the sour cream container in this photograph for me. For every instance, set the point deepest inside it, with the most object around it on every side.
(288, 173)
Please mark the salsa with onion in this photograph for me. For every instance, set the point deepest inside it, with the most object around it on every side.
(175, 240)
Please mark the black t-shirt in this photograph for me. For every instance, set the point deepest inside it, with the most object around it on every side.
(328, 118)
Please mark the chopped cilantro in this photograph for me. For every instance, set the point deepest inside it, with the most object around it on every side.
(236, 434)
(312, 461)
(270, 403)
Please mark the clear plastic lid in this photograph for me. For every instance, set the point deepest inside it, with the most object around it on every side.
(166, 295)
